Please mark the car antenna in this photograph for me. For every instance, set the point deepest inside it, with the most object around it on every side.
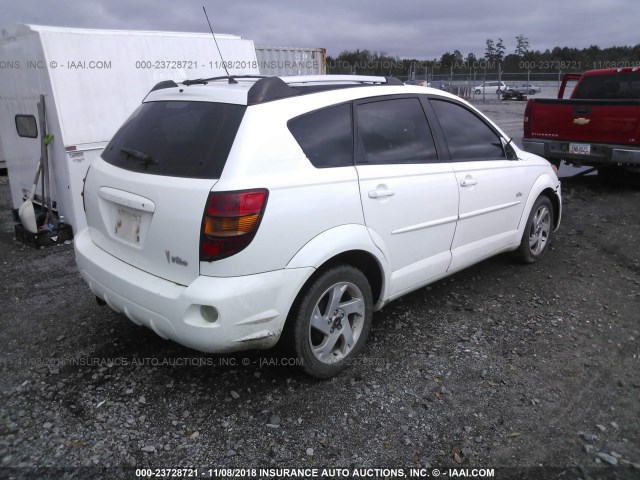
(224, 65)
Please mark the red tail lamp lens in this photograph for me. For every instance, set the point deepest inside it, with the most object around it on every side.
(231, 220)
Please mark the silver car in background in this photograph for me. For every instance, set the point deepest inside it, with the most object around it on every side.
(526, 89)
(490, 88)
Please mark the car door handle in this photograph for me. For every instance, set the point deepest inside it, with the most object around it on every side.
(468, 181)
(381, 193)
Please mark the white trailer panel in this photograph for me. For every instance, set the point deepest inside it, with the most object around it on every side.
(92, 81)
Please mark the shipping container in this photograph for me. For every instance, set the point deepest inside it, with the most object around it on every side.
(286, 61)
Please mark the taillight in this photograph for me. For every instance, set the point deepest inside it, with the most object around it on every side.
(527, 120)
(230, 222)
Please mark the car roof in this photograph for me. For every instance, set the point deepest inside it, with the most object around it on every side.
(253, 90)
(340, 88)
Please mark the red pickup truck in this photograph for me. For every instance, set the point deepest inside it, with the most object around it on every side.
(599, 125)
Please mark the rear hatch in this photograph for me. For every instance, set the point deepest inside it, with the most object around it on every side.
(145, 198)
(593, 121)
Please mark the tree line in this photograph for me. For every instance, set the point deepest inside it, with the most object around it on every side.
(522, 59)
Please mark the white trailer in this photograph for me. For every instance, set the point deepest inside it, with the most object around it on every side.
(3, 163)
(92, 80)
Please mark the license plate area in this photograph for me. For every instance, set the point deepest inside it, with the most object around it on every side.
(128, 225)
(580, 148)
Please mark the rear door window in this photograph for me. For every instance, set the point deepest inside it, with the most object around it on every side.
(325, 136)
(178, 139)
(394, 131)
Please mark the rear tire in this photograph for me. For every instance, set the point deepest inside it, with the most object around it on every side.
(537, 232)
(329, 323)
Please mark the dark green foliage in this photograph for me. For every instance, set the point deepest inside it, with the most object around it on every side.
(558, 59)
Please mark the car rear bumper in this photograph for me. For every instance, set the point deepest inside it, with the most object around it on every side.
(248, 312)
(601, 154)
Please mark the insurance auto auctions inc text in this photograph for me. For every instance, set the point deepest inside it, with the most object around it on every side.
(333, 473)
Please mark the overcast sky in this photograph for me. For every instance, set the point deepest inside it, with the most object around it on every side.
(409, 29)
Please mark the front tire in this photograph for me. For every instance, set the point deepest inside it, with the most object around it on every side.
(537, 232)
(330, 322)
(608, 174)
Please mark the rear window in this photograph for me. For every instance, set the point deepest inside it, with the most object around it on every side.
(609, 87)
(177, 139)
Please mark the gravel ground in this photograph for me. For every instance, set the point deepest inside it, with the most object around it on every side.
(500, 366)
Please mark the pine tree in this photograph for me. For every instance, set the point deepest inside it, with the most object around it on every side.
(490, 51)
(522, 45)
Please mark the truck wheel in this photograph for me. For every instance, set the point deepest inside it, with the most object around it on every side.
(330, 323)
(537, 232)
(478, 91)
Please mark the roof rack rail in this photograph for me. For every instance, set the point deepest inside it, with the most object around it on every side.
(394, 81)
(230, 78)
(163, 84)
(362, 79)
(268, 89)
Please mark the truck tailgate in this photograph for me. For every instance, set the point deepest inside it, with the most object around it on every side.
(593, 121)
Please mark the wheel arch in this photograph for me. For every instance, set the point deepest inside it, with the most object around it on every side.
(555, 202)
(362, 259)
(349, 244)
(544, 185)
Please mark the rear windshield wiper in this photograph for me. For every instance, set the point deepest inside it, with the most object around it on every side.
(196, 81)
(130, 152)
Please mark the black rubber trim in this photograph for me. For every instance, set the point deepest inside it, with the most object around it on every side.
(163, 84)
(269, 89)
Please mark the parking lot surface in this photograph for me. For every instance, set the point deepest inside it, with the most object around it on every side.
(502, 365)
